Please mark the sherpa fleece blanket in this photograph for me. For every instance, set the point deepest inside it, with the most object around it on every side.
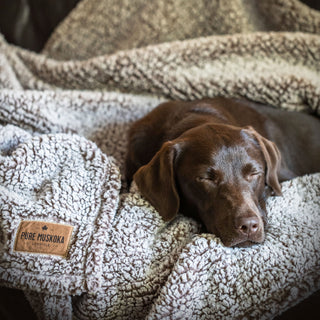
(71, 235)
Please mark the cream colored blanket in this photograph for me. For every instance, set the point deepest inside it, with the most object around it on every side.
(64, 115)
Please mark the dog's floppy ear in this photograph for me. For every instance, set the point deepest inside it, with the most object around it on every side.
(156, 182)
(272, 157)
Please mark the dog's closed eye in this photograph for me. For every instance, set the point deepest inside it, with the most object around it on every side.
(253, 176)
(251, 172)
(211, 176)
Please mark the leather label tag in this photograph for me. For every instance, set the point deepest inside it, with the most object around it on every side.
(43, 237)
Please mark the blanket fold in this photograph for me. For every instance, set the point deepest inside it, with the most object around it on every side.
(49, 182)
(126, 24)
(48, 306)
(193, 69)
(71, 235)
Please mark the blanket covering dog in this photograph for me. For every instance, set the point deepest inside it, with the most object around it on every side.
(64, 115)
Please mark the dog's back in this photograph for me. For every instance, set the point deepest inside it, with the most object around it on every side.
(297, 135)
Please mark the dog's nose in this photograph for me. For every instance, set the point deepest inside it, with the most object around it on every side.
(247, 225)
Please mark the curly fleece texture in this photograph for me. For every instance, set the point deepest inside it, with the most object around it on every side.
(64, 115)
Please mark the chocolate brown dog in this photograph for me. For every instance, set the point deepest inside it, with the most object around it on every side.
(217, 159)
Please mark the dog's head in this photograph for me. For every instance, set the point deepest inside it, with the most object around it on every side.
(217, 174)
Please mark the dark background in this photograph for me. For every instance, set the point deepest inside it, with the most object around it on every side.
(28, 24)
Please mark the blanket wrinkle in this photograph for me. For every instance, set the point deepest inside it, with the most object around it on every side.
(64, 117)
(149, 70)
(35, 178)
(55, 307)
(127, 25)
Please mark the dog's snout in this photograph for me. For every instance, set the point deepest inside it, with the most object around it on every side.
(247, 225)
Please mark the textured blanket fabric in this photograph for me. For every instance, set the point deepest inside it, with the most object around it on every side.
(64, 115)
(54, 178)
